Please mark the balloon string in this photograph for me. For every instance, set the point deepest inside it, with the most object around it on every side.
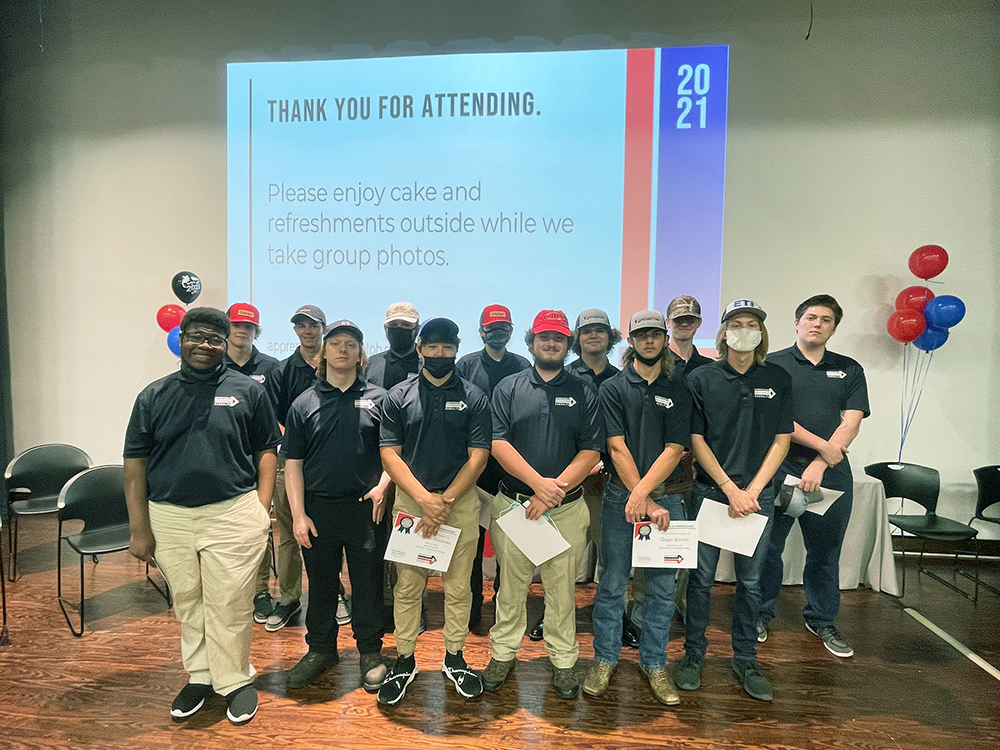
(902, 401)
(919, 391)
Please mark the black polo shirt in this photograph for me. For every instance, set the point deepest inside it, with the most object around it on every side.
(684, 368)
(648, 415)
(740, 415)
(296, 376)
(480, 368)
(436, 426)
(547, 423)
(821, 393)
(387, 370)
(263, 368)
(200, 435)
(335, 433)
(579, 368)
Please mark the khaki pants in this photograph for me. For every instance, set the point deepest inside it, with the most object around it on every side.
(208, 556)
(411, 580)
(289, 565)
(558, 578)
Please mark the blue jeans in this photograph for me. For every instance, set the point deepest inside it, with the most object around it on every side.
(616, 564)
(746, 607)
(823, 537)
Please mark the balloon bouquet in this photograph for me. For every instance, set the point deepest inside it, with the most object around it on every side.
(186, 287)
(923, 320)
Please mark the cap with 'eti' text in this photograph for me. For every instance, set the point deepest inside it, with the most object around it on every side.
(646, 319)
(682, 306)
(551, 320)
(244, 312)
(738, 306)
(312, 312)
(495, 314)
(344, 325)
(402, 311)
(592, 317)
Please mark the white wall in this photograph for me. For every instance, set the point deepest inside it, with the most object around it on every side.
(878, 134)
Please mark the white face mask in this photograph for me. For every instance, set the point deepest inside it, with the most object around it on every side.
(742, 339)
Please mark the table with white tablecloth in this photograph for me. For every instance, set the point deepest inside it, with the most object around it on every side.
(866, 557)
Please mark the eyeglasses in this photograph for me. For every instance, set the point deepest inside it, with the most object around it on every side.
(197, 338)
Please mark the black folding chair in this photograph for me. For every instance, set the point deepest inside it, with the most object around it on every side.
(922, 485)
(96, 497)
(988, 481)
(41, 473)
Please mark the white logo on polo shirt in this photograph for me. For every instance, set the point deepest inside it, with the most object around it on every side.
(455, 406)
(364, 403)
(565, 401)
(666, 403)
(226, 400)
(764, 393)
(836, 374)
(259, 378)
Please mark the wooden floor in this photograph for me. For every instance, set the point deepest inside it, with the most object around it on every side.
(905, 688)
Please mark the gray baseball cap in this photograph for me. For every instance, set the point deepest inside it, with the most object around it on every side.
(646, 319)
(738, 306)
(344, 325)
(312, 312)
(592, 317)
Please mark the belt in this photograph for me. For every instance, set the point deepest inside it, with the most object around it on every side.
(519, 497)
(660, 490)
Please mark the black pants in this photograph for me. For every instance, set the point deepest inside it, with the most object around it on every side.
(344, 525)
(476, 579)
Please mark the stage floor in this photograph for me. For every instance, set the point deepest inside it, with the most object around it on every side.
(904, 688)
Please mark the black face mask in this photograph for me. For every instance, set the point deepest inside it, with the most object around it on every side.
(400, 339)
(438, 367)
(649, 362)
(497, 338)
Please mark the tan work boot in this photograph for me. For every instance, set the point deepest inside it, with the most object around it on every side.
(597, 679)
(662, 686)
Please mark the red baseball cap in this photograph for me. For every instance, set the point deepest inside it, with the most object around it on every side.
(551, 320)
(244, 312)
(495, 314)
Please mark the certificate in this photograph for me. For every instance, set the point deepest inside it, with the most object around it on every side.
(677, 547)
(408, 546)
(538, 540)
(739, 535)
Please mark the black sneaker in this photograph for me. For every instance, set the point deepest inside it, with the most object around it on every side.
(398, 679)
(281, 615)
(754, 682)
(373, 671)
(630, 633)
(262, 607)
(189, 700)
(467, 683)
(242, 704)
(309, 668)
(835, 643)
(537, 633)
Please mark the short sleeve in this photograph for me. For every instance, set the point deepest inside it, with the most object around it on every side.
(678, 429)
(296, 439)
(391, 429)
(139, 434)
(481, 422)
(592, 437)
(857, 391)
(264, 432)
(694, 387)
(500, 409)
(612, 409)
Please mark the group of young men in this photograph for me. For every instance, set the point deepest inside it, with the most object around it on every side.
(340, 444)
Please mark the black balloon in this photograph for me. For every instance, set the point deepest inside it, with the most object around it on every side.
(186, 286)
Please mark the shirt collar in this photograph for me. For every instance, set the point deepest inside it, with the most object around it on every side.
(797, 353)
(357, 385)
(731, 374)
(451, 382)
(633, 375)
(557, 380)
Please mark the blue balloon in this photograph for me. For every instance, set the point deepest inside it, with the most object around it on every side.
(931, 339)
(174, 340)
(944, 311)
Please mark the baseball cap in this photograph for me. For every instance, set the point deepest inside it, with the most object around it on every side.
(495, 314)
(794, 501)
(244, 312)
(683, 305)
(402, 311)
(344, 325)
(439, 331)
(312, 312)
(646, 319)
(738, 306)
(551, 320)
(592, 317)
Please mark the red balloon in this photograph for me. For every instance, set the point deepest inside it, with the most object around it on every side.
(906, 325)
(914, 298)
(928, 261)
(169, 317)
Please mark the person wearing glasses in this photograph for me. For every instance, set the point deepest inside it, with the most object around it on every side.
(199, 470)
(298, 372)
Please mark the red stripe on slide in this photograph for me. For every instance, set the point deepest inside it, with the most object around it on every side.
(639, 95)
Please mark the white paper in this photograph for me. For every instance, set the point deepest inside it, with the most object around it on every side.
(408, 546)
(485, 507)
(820, 507)
(538, 540)
(739, 535)
(677, 547)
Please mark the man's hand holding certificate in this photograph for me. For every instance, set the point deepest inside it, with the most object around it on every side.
(408, 546)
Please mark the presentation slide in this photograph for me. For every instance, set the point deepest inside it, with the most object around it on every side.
(539, 180)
